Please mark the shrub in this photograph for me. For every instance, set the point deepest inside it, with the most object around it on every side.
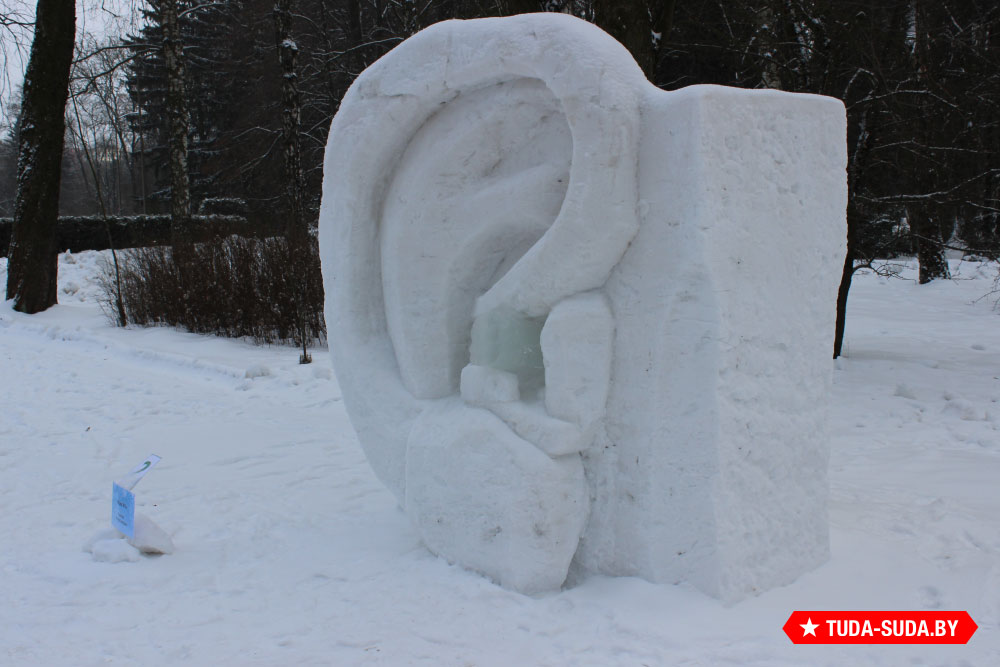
(264, 289)
(97, 232)
(223, 206)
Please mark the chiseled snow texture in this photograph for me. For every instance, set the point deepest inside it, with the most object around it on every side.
(289, 551)
(482, 385)
(577, 346)
(468, 474)
(486, 175)
(714, 465)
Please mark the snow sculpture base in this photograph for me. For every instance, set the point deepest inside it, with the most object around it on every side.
(578, 320)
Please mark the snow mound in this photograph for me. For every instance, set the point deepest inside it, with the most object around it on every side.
(115, 550)
(257, 371)
(111, 546)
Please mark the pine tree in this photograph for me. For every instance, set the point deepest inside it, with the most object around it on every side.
(208, 36)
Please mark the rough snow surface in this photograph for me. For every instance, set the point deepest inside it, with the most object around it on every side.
(717, 440)
(654, 270)
(290, 552)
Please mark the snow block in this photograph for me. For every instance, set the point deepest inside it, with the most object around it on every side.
(482, 385)
(577, 345)
(489, 500)
(149, 538)
(716, 430)
(576, 318)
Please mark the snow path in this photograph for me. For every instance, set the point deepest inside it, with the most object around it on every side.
(290, 552)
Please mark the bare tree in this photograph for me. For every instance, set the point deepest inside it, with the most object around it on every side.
(33, 260)
(291, 119)
(921, 215)
(15, 30)
(301, 253)
(178, 120)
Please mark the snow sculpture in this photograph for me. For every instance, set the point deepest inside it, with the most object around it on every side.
(580, 321)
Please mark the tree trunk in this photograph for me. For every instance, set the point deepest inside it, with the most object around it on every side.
(767, 32)
(33, 258)
(640, 25)
(297, 227)
(845, 288)
(926, 233)
(301, 253)
(856, 163)
(927, 238)
(353, 22)
(178, 122)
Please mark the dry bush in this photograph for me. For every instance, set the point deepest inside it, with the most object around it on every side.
(264, 289)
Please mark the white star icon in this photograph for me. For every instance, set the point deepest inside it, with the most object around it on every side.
(809, 628)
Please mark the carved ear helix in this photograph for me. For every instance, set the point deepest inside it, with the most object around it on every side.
(492, 178)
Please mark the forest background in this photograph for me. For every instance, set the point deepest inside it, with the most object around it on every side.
(920, 81)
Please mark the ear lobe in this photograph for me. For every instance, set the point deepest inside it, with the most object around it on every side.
(488, 500)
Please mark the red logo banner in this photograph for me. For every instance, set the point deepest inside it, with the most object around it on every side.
(880, 627)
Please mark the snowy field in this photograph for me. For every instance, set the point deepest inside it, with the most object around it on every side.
(289, 551)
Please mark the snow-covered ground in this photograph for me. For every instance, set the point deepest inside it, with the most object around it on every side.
(289, 551)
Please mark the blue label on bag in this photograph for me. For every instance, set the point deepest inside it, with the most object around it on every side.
(123, 510)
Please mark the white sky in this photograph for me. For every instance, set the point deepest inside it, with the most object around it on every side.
(98, 18)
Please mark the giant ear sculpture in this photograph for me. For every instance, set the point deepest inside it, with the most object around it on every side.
(580, 320)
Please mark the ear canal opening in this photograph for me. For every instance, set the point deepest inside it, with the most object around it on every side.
(508, 340)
